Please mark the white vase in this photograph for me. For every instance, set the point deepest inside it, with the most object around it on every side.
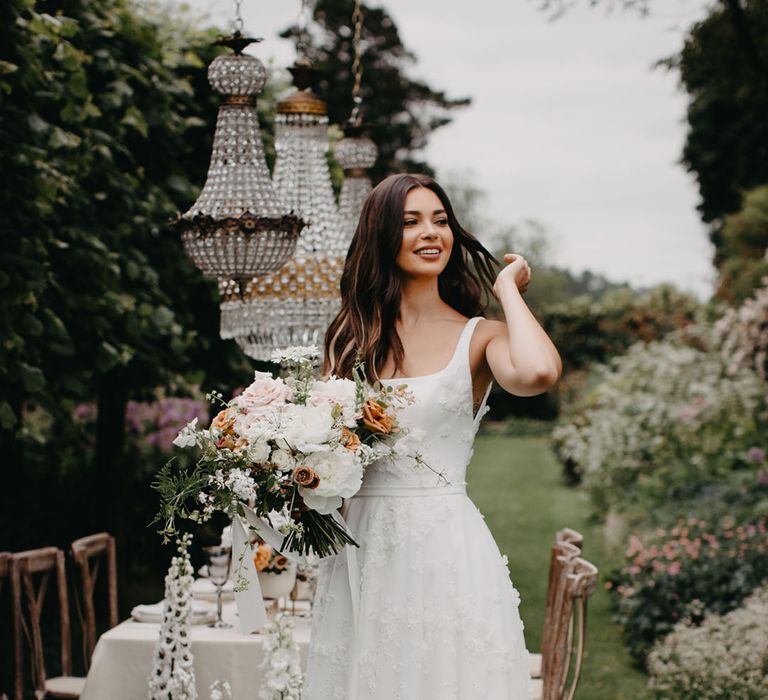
(277, 585)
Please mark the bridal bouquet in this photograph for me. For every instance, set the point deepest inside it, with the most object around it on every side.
(290, 449)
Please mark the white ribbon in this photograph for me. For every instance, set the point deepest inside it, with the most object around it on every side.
(248, 597)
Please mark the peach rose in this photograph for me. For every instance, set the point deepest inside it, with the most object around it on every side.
(223, 421)
(349, 439)
(226, 442)
(262, 557)
(305, 476)
(376, 419)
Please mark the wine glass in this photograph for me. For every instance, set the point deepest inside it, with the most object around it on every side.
(218, 558)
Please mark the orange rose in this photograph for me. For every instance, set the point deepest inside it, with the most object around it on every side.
(376, 419)
(305, 476)
(262, 557)
(349, 439)
(223, 421)
(225, 442)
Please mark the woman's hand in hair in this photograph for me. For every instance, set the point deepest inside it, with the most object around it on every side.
(517, 271)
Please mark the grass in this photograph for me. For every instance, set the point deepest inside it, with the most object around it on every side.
(516, 484)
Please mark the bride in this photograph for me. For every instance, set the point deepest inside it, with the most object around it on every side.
(425, 609)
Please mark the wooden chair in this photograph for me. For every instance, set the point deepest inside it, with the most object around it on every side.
(31, 572)
(581, 581)
(572, 536)
(561, 554)
(5, 572)
(87, 553)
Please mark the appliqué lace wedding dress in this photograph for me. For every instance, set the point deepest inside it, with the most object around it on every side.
(435, 615)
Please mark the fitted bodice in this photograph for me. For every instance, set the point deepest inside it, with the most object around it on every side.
(440, 422)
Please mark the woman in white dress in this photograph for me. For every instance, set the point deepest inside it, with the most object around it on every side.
(425, 609)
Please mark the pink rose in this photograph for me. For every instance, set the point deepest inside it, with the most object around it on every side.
(263, 393)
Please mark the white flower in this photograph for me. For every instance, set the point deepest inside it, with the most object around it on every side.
(282, 459)
(308, 428)
(336, 391)
(187, 435)
(295, 353)
(258, 451)
(237, 481)
(341, 475)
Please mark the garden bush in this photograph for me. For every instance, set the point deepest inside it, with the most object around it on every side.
(684, 574)
(665, 424)
(724, 658)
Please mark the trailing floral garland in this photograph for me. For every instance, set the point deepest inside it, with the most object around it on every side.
(173, 675)
(281, 664)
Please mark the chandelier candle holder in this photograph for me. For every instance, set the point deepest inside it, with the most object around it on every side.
(295, 305)
(238, 228)
(355, 153)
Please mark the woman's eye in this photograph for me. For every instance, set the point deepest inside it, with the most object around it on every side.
(409, 222)
(442, 222)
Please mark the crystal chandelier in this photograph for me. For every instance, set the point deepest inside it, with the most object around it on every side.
(295, 305)
(238, 228)
(355, 153)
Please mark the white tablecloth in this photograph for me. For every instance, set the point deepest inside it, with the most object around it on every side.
(122, 660)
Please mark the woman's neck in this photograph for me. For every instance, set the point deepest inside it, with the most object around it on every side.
(419, 299)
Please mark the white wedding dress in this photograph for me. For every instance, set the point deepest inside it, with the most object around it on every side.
(424, 609)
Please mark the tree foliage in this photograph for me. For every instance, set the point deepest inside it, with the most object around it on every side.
(401, 111)
(106, 122)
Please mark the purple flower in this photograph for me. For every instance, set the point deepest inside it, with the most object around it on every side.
(756, 455)
(761, 478)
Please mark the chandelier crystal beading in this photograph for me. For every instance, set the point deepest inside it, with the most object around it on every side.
(238, 227)
(295, 305)
(355, 153)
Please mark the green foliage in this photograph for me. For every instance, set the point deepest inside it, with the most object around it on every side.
(723, 69)
(743, 244)
(401, 111)
(586, 331)
(685, 573)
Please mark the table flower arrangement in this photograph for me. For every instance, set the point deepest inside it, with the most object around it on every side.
(290, 449)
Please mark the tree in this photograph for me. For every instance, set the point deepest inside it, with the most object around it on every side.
(401, 111)
(744, 248)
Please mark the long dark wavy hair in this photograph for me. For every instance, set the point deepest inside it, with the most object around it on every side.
(371, 281)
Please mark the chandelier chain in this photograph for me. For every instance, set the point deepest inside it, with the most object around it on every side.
(357, 64)
(302, 42)
(238, 16)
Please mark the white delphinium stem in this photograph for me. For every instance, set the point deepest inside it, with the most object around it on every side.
(220, 690)
(173, 675)
(282, 665)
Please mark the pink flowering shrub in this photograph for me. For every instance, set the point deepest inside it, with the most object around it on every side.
(683, 574)
(154, 424)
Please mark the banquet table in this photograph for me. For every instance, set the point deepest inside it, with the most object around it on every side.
(122, 659)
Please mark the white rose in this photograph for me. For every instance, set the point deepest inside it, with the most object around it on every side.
(308, 428)
(258, 452)
(282, 459)
(340, 477)
(336, 391)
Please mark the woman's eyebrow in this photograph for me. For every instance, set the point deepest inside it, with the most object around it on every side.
(413, 211)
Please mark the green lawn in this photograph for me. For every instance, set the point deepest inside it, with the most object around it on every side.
(516, 484)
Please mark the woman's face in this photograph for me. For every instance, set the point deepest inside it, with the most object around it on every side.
(427, 237)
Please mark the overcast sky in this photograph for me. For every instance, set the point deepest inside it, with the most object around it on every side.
(569, 124)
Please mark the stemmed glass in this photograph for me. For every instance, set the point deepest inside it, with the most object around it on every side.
(218, 559)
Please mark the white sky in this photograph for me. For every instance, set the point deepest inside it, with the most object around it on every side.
(569, 124)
